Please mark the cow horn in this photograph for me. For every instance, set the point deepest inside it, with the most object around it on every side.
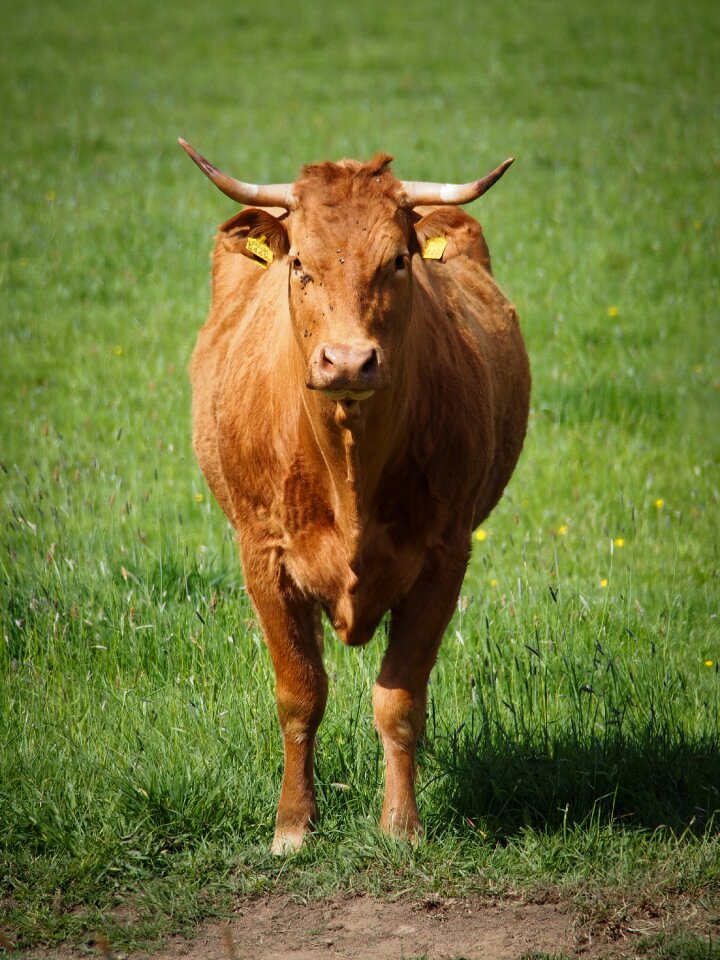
(419, 192)
(256, 195)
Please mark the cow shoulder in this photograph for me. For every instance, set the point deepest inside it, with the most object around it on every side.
(237, 390)
(257, 406)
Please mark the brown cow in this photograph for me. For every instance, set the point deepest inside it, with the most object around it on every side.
(358, 409)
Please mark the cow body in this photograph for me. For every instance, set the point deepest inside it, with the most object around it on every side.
(357, 410)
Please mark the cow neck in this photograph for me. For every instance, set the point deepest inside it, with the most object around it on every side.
(353, 452)
(350, 493)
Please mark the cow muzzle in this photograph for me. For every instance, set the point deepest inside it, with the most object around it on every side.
(346, 371)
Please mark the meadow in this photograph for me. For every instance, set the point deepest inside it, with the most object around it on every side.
(573, 734)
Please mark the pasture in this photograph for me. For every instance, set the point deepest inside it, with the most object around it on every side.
(573, 732)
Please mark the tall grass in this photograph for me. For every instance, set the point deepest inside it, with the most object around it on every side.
(572, 733)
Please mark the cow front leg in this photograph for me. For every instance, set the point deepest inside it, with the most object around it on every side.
(399, 717)
(301, 690)
(293, 634)
(400, 694)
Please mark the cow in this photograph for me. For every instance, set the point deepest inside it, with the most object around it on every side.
(360, 400)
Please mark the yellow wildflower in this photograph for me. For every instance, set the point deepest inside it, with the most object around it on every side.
(493, 583)
(604, 582)
(613, 311)
(659, 504)
(709, 663)
(198, 498)
(481, 535)
(562, 529)
(619, 542)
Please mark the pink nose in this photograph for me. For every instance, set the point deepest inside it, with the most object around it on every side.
(339, 366)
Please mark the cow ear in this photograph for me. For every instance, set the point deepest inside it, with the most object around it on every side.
(446, 232)
(256, 234)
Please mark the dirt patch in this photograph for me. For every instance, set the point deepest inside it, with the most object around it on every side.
(363, 928)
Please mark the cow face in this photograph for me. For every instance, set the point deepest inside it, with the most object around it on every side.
(346, 247)
(346, 242)
(349, 289)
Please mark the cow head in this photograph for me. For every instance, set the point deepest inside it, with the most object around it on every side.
(347, 243)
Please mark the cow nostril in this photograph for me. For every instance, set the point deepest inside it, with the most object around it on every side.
(347, 364)
(370, 365)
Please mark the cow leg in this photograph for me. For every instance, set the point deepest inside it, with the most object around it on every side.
(293, 633)
(400, 694)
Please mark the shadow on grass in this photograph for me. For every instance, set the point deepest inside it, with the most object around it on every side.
(654, 778)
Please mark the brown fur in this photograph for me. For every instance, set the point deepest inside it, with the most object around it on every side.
(362, 507)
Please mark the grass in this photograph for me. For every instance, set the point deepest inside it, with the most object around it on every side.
(574, 713)
(661, 947)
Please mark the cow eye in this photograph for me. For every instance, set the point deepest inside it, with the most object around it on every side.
(300, 274)
(400, 261)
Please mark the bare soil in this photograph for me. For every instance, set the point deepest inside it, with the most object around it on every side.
(387, 931)
(363, 928)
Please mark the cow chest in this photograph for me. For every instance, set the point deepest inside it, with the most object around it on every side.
(358, 556)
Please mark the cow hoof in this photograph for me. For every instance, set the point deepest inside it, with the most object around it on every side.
(286, 842)
(402, 828)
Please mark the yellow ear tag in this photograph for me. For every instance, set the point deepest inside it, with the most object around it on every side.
(258, 247)
(434, 248)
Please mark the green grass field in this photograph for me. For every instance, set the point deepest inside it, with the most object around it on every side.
(573, 738)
